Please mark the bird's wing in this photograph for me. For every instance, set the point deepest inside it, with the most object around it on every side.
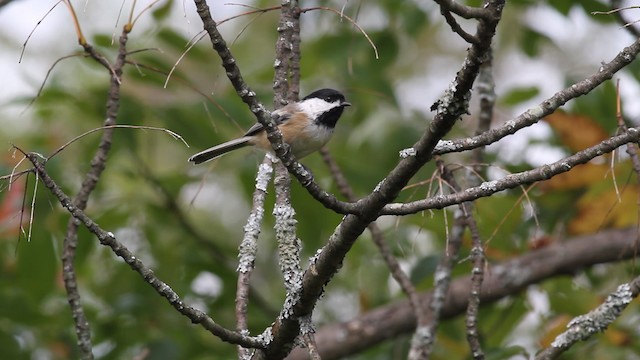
(279, 116)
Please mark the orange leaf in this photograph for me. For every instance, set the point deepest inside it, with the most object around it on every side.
(554, 328)
(605, 209)
(10, 208)
(618, 337)
(577, 132)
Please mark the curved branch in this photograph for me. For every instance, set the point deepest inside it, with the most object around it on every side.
(466, 12)
(565, 257)
(108, 239)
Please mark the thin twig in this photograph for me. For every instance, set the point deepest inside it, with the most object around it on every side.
(342, 15)
(546, 107)
(24, 45)
(477, 277)
(632, 147)
(199, 36)
(401, 278)
(423, 347)
(147, 8)
(511, 181)
(22, 207)
(76, 23)
(33, 206)
(89, 183)
(626, 23)
(108, 127)
(256, 10)
(192, 87)
(46, 77)
(108, 239)
(455, 27)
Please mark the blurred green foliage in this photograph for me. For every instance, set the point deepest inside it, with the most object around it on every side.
(185, 221)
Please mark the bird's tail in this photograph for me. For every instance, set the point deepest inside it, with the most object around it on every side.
(219, 150)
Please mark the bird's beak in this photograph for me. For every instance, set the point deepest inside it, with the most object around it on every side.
(345, 103)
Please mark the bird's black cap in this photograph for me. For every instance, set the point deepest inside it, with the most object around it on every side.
(328, 95)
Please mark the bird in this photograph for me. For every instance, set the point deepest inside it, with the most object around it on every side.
(306, 126)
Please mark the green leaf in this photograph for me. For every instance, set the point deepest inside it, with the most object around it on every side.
(519, 95)
(424, 269)
(506, 353)
(163, 11)
(531, 41)
(102, 40)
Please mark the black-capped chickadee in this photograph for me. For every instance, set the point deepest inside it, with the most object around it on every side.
(305, 125)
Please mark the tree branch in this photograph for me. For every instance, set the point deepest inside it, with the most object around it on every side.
(263, 116)
(489, 188)
(583, 327)
(108, 239)
(423, 344)
(249, 248)
(466, 12)
(533, 115)
(565, 257)
(98, 164)
(327, 262)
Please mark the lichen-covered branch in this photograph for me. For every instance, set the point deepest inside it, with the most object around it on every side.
(249, 248)
(329, 259)
(597, 320)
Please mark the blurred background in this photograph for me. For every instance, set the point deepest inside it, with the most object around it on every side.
(186, 222)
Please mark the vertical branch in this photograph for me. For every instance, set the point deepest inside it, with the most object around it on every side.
(477, 273)
(248, 249)
(98, 164)
(487, 96)
(289, 245)
(307, 331)
(293, 12)
(326, 263)
(477, 276)
(442, 274)
(394, 267)
(286, 82)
